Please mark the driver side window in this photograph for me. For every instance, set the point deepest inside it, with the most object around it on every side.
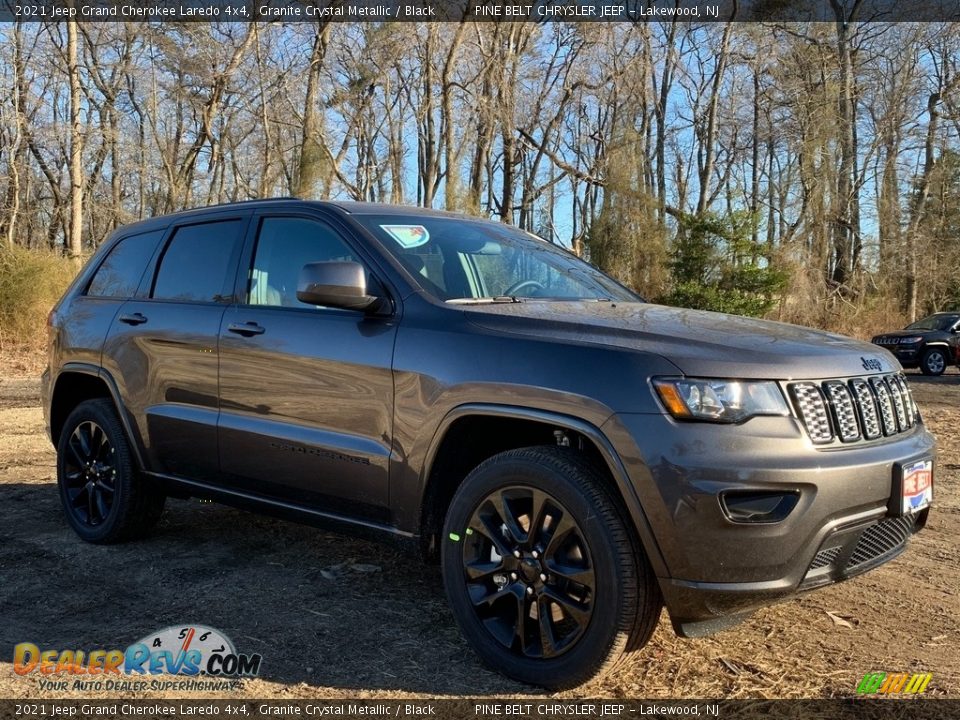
(284, 246)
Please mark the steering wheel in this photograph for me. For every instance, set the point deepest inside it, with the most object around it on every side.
(518, 286)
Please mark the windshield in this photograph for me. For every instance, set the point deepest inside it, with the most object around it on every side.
(935, 322)
(461, 260)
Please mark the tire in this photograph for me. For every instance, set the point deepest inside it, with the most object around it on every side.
(104, 497)
(622, 602)
(934, 362)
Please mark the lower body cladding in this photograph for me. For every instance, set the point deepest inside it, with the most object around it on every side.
(746, 515)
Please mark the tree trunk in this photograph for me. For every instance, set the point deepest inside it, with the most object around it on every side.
(451, 151)
(312, 169)
(844, 221)
(710, 135)
(76, 148)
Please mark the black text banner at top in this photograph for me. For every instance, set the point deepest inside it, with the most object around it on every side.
(696, 11)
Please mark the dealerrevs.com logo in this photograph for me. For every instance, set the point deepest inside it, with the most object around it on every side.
(193, 650)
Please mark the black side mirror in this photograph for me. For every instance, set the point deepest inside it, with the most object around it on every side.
(336, 284)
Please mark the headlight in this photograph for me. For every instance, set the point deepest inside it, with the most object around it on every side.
(910, 340)
(723, 401)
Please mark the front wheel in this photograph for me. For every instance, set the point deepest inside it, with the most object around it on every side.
(104, 498)
(934, 362)
(543, 576)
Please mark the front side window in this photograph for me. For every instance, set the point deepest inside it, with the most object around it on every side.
(199, 262)
(119, 274)
(284, 246)
(460, 260)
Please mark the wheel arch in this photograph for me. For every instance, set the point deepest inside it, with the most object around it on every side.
(448, 463)
(77, 382)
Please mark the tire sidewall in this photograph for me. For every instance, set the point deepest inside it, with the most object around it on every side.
(103, 416)
(601, 633)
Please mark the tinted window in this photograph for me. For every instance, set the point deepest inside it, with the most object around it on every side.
(935, 322)
(119, 275)
(465, 260)
(284, 246)
(199, 262)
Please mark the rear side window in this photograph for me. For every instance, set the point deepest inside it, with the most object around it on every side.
(199, 262)
(119, 275)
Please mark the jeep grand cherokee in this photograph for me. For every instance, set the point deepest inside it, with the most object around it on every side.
(574, 457)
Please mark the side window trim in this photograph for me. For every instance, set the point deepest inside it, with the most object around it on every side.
(146, 281)
(228, 294)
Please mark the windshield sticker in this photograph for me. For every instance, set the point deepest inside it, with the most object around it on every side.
(408, 236)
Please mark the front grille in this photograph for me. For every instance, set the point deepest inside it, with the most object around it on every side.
(856, 550)
(856, 409)
(882, 539)
(886, 341)
(825, 557)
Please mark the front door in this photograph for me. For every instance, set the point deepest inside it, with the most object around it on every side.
(306, 392)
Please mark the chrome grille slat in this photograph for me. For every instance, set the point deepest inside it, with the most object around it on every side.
(858, 409)
(907, 399)
(813, 411)
(882, 392)
(844, 413)
(867, 405)
(898, 407)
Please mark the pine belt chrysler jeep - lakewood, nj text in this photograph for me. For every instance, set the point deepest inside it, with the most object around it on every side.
(575, 458)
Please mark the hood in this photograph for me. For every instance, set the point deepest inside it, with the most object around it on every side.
(699, 343)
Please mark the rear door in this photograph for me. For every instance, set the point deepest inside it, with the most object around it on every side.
(162, 346)
(306, 392)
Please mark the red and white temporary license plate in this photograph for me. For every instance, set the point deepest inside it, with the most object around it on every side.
(916, 486)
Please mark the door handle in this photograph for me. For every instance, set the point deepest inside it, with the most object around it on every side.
(134, 319)
(246, 329)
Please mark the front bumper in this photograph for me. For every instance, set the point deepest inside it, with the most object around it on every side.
(908, 355)
(699, 609)
(718, 570)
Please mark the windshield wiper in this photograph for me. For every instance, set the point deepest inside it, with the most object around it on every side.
(494, 299)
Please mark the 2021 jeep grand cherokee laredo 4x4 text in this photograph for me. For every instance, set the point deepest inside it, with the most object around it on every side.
(573, 456)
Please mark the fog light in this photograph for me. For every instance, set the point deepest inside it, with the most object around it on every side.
(749, 506)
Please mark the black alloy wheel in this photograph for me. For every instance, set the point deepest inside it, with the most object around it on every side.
(545, 577)
(528, 571)
(105, 498)
(90, 474)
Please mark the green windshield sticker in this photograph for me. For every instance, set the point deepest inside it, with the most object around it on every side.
(407, 236)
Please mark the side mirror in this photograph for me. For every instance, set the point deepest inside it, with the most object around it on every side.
(335, 284)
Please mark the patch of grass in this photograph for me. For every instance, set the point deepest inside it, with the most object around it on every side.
(31, 281)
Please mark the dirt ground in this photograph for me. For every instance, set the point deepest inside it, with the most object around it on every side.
(336, 617)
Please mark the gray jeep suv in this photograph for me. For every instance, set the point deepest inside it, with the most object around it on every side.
(574, 457)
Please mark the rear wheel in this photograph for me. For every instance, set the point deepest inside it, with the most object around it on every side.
(104, 498)
(934, 362)
(543, 576)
